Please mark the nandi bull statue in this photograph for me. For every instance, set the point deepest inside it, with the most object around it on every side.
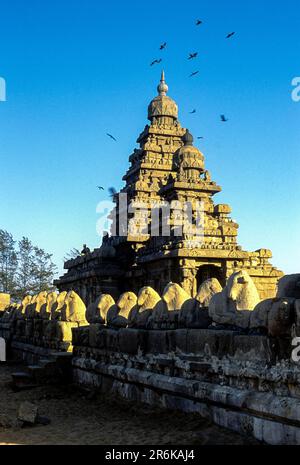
(279, 317)
(97, 311)
(233, 306)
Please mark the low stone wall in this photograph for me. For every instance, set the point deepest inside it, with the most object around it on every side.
(208, 355)
(239, 382)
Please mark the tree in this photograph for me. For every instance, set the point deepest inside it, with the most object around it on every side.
(43, 270)
(74, 253)
(25, 268)
(25, 273)
(8, 263)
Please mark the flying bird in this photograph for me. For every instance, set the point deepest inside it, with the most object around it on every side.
(201, 137)
(198, 22)
(112, 191)
(112, 137)
(163, 46)
(156, 62)
(224, 119)
(230, 35)
(192, 56)
(194, 73)
(192, 112)
(101, 188)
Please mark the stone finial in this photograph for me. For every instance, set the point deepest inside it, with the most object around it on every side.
(162, 87)
(188, 139)
(162, 105)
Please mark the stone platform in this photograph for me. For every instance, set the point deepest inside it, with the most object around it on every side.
(238, 382)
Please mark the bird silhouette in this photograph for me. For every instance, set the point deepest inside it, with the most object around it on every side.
(201, 137)
(156, 62)
(101, 188)
(194, 73)
(230, 35)
(198, 22)
(192, 56)
(224, 119)
(163, 46)
(112, 192)
(112, 137)
(192, 112)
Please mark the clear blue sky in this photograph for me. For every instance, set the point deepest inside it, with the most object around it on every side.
(78, 69)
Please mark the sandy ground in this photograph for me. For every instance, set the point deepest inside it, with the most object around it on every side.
(78, 418)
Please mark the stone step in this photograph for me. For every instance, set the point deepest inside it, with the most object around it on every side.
(22, 380)
(39, 373)
(62, 357)
(44, 362)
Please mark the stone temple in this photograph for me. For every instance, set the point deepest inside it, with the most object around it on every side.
(166, 168)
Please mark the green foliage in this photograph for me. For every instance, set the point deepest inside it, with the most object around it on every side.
(24, 268)
(8, 262)
(74, 253)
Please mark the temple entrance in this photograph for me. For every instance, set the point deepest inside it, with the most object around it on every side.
(207, 272)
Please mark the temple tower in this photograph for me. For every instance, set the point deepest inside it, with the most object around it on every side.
(166, 169)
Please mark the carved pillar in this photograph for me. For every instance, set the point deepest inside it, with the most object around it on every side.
(189, 273)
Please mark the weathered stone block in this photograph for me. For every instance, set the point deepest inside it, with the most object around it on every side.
(158, 342)
(132, 340)
(80, 336)
(252, 348)
(180, 336)
(37, 329)
(112, 342)
(29, 328)
(28, 412)
(218, 343)
(198, 319)
(97, 336)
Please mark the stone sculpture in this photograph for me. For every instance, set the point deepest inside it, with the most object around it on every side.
(51, 299)
(97, 311)
(148, 302)
(289, 286)
(74, 309)
(207, 289)
(4, 301)
(125, 309)
(234, 304)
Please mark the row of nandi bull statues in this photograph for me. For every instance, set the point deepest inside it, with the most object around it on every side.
(237, 307)
(47, 319)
